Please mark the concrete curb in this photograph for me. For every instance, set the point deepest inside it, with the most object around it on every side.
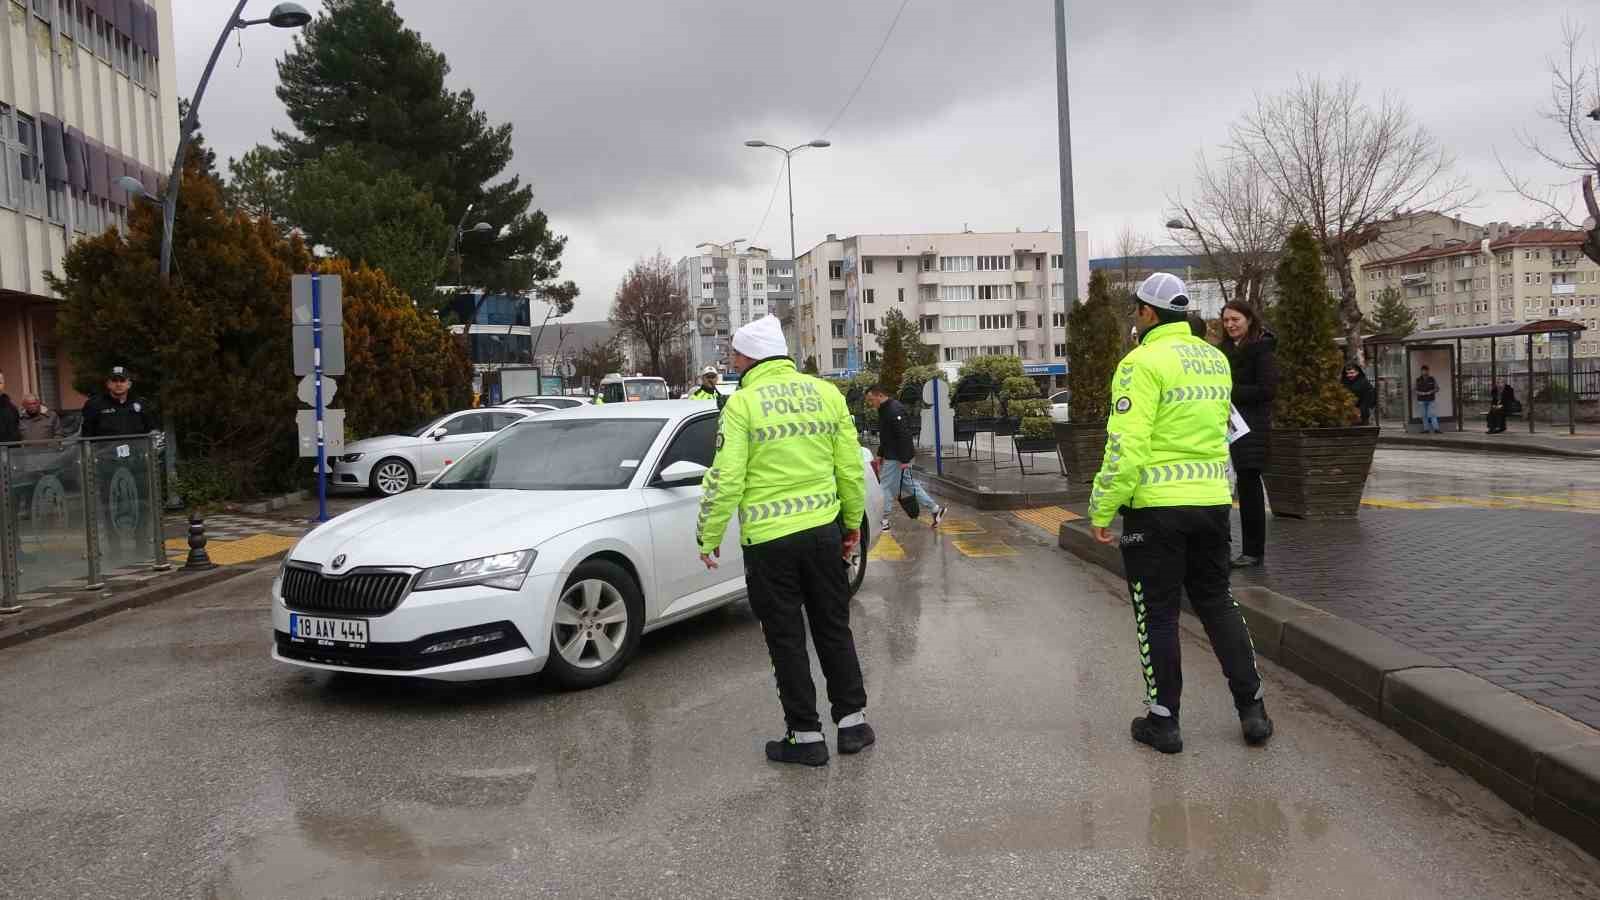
(1418, 442)
(986, 499)
(1539, 761)
(178, 585)
(271, 504)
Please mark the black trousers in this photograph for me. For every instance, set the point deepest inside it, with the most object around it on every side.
(1252, 512)
(1170, 550)
(791, 580)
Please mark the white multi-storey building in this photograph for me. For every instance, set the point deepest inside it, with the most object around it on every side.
(972, 294)
(727, 288)
(87, 95)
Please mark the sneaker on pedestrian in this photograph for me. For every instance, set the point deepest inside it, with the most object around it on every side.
(1246, 562)
(1160, 732)
(938, 515)
(856, 738)
(790, 749)
(1254, 723)
(884, 525)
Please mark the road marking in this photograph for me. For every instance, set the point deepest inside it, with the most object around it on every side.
(1552, 500)
(961, 526)
(983, 549)
(233, 553)
(1050, 518)
(887, 549)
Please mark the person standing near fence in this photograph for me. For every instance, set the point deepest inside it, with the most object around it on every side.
(9, 417)
(39, 422)
(1252, 353)
(118, 412)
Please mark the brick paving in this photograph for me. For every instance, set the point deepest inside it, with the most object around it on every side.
(1509, 595)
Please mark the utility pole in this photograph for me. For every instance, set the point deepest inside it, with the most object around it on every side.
(1069, 225)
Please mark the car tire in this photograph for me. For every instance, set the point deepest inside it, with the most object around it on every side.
(392, 476)
(858, 563)
(598, 592)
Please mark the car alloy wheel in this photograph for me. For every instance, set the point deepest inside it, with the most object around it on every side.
(392, 476)
(591, 623)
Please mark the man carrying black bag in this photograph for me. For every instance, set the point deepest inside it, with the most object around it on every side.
(898, 450)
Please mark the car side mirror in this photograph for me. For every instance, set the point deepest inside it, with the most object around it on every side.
(439, 433)
(680, 474)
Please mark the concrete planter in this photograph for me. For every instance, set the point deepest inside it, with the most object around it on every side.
(1082, 447)
(1318, 473)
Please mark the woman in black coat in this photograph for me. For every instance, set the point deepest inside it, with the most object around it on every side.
(1252, 352)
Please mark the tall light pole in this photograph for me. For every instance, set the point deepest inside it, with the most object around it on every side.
(1069, 223)
(788, 168)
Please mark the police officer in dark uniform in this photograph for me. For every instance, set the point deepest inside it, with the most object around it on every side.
(118, 411)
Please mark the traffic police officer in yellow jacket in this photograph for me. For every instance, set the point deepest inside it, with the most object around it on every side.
(707, 389)
(1166, 471)
(789, 465)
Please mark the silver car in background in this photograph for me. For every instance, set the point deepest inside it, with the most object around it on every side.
(396, 463)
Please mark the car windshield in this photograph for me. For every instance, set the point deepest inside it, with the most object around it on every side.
(566, 455)
(645, 389)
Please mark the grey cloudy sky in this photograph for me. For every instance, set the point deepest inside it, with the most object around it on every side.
(630, 114)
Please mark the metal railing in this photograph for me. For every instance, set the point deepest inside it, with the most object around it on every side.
(76, 509)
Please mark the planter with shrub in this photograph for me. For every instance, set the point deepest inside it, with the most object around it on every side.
(1094, 346)
(1317, 462)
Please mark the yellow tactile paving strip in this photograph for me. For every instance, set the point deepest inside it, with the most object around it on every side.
(233, 553)
(961, 526)
(1050, 518)
(983, 548)
(887, 549)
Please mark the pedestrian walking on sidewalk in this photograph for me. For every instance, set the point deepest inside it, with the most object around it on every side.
(1252, 355)
(1165, 471)
(898, 451)
(1427, 393)
(791, 488)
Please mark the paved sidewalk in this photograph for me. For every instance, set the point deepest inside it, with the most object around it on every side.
(1549, 440)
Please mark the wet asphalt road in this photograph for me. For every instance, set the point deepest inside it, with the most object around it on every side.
(160, 753)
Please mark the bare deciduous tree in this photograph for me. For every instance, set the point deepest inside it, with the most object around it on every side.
(650, 308)
(1344, 168)
(1237, 221)
(1574, 100)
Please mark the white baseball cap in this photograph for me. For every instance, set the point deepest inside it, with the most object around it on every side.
(708, 370)
(1164, 291)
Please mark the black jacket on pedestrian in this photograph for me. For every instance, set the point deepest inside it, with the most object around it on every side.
(10, 417)
(1427, 388)
(1255, 385)
(894, 433)
(103, 416)
(1366, 394)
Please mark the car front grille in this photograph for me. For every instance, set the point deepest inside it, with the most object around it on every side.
(359, 593)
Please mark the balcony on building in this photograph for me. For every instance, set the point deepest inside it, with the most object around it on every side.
(1027, 335)
(1415, 278)
(927, 277)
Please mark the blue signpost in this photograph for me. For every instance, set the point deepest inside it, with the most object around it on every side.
(316, 373)
(317, 304)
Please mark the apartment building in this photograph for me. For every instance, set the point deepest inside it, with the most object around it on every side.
(973, 294)
(87, 96)
(1402, 234)
(1503, 274)
(727, 288)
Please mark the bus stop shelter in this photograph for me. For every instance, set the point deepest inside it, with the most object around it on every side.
(1444, 345)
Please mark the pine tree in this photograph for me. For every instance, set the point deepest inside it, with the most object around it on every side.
(1392, 317)
(358, 78)
(898, 337)
(1094, 346)
(1309, 362)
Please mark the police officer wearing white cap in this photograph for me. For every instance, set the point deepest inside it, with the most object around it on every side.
(707, 389)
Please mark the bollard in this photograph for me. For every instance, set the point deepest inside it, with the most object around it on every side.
(8, 540)
(158, 533)
(91, 515)
(198, 561)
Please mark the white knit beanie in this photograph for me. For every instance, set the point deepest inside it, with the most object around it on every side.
(761, 339)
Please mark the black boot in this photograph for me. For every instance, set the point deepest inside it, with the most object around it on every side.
(1160, 732)
(812, 753)
(856, 738)
(1254, 723)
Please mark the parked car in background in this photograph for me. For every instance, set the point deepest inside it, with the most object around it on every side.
(551, 547)
(617, 388)
(396, 463)
(1059, 405)
(547, 400)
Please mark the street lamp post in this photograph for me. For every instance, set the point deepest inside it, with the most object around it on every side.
(788, 169)
(284, 15)
(1180, 225)
(1069, 223)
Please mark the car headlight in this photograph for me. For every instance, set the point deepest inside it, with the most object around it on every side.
(506, 571)
(351, 457)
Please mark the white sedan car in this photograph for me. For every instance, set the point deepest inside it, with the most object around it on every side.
(396, 463)
(552, 547)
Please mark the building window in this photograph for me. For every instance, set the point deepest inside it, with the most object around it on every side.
(836, 270)
(959, 323)
(955, 264)
(956, 293)
(870, 326)
(899, 295)
(866, 267)
(995, 323)
(1058, 320)
(872, 357)
(1058, 291)
(928, 323)
(927, 292)
(1055, 260)
(959, 354)
(994, 292)
(994, 264)
(836, 300)
(838, 328)
(870, 295)
(19, 134)
(1061, 350)
(927, 264)
(899, 264)
(838, 358)
(999, 350)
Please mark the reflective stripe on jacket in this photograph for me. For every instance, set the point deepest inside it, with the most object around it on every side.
(1167, 438)
(703, 393)
(787, 459)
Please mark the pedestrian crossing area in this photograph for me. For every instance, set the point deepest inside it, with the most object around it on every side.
(973, 537)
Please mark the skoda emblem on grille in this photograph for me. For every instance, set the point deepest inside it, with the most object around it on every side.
(338, 561)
